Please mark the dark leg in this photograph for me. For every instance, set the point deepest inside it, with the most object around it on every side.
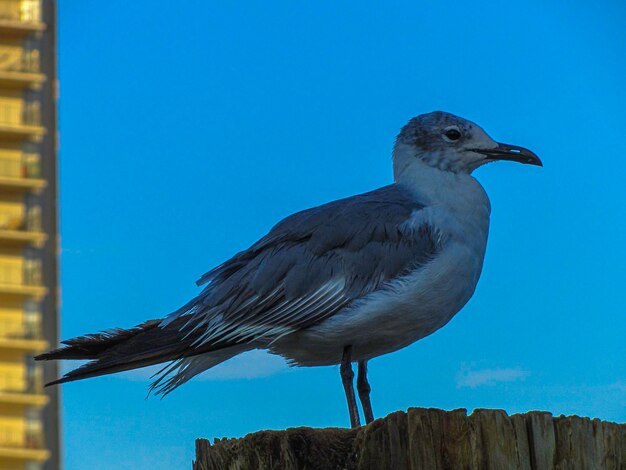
(363, 387)
(347, 376)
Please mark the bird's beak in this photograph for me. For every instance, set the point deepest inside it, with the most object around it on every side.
(512, 153)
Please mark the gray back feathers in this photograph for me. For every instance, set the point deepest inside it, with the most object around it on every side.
(308, 267)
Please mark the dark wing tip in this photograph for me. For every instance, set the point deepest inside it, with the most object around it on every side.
(48, 355)
(62, 380)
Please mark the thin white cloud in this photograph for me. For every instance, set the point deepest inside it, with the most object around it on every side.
(619, 386)
(476, 378)
(67, 366)
(249, 365)
(76, 251)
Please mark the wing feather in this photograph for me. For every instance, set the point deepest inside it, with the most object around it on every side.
(310, 266)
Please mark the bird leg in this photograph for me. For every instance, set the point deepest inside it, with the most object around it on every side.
(363, 387)
(347, 377)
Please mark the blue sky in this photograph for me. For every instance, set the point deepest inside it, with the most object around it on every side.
(187, 132)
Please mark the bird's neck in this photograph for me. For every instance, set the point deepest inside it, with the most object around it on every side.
(431, 185)
(455, 203)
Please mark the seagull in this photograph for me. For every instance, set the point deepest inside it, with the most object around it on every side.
(343, 282)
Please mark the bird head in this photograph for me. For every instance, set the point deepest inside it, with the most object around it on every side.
(451, 143)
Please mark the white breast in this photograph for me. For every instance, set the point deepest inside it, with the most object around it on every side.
(421, 302)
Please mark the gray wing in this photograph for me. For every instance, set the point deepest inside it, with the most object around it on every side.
(307, 268)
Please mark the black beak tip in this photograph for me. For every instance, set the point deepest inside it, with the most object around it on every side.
(512, 153)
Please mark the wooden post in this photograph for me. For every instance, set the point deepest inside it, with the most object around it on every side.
(429, 439)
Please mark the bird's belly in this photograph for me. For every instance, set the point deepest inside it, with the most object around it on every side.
(405, 311)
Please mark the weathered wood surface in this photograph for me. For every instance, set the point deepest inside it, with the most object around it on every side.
(429, 439)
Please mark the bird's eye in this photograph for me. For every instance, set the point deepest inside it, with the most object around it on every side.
(452, 134)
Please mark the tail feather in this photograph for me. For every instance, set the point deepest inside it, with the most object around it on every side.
(95, 369)
(182, 370)
(92, 345)
(119, 350)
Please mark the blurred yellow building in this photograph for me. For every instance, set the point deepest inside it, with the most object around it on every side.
(29, 416)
